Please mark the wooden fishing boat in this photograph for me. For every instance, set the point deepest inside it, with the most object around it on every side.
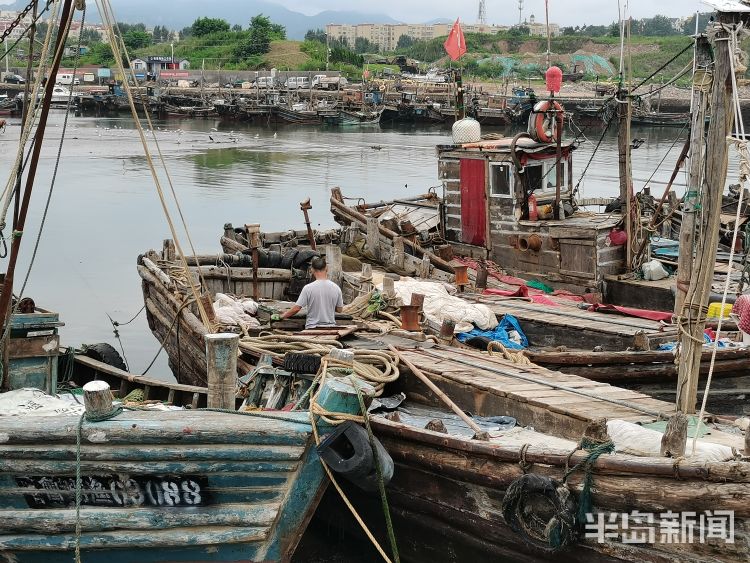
(359, 118)
(660, 119)
(158, 486)
(447, 482)
(603, 346)
(298, 117)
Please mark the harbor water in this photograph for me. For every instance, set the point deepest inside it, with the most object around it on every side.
(104, 209)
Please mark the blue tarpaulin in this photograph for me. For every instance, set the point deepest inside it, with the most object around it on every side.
(499, 333)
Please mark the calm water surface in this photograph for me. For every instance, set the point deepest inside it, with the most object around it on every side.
(105, 210)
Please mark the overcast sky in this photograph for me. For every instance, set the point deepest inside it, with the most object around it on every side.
(564, 12)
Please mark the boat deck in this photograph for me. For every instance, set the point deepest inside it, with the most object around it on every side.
(567, 325)
(491, 386)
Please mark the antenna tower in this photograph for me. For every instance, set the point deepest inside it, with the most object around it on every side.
(482, 16)
(520, 12)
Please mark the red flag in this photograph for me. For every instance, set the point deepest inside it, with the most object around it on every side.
(455, 45)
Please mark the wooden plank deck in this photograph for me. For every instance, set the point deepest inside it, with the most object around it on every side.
(529, 392)
(568, 325)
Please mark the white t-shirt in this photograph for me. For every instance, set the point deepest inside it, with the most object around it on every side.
(320, 298)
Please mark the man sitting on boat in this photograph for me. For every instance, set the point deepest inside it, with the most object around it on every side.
(322, 298)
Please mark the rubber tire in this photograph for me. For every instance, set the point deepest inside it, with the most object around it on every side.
(105, 353)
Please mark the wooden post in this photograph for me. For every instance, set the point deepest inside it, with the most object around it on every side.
(447, 329)
(253, 239)
(373, 237)
(702, 79)
(417, 300)
(388, 288)
(674, 440)
(305, 207)
(221, 365)
(398, 256)
(168, 250)
(424, 270)
(334, 263)
(97, 398)
(625, 169)
(719, 127)
(365, 278)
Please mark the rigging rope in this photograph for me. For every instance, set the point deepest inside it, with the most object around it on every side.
(741, 145)
(105, 10)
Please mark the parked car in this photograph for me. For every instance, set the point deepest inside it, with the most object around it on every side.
(11, 78)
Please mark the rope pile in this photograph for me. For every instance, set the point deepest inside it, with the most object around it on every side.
(374, 367)
(515, 357)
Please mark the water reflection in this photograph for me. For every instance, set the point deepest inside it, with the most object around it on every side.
(105, 211)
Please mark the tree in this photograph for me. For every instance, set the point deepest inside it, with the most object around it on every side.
(89, 36)
(658, 25)
(136, 39)
(125, 27)
(318, 35)
(404, 42)
(236, 28)
(186, 32)
(204, 26)
(258, 42)
(101, 54)
(362, 45)
(568, 30)
(688, 28)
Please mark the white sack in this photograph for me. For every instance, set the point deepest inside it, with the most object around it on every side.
(630, 438)
(237, 312)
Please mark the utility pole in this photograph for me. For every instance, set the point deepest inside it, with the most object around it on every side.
(717, 160)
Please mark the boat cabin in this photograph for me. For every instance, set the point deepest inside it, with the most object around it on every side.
(487, 196)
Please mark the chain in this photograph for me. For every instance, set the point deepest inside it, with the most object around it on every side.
(16, 22)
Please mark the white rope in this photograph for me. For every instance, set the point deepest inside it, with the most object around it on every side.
(118, 47)
(741, 146)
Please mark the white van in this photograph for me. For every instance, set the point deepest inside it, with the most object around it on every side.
(264, 82)
(67, 79)
(297, 83)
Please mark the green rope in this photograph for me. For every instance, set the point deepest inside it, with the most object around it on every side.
(79, 483)
(595, 450)
(257, 414)
(379, 471)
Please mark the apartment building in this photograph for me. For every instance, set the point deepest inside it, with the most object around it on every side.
(386, 36)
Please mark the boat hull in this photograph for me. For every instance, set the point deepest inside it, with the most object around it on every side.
(158, 486)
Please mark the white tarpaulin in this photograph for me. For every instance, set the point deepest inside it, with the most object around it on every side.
(34, 402)
(440, 305)
(634, 439)
(235, 311)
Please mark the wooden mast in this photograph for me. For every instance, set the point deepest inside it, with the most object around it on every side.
(696, 300)
(702, 77)
(625, 168)
(7, 291)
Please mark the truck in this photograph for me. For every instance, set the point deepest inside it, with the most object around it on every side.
(323, 82)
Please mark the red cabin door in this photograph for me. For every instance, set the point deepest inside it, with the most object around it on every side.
(473, 202)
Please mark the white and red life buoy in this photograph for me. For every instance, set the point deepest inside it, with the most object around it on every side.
(546, 121)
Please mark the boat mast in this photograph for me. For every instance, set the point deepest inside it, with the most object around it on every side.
(7, 291)
(702, 77)
(623, 144)
(717, 155)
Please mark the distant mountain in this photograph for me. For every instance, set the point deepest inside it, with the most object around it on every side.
(176, 14)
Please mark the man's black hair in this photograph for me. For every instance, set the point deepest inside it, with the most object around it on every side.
(318, 263)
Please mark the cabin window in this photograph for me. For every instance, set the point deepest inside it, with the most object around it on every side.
(500, 181)
(542, 178)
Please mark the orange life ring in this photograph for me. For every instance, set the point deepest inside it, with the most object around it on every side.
(546, 128)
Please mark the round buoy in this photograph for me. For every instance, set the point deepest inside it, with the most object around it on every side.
(466, 130)
(553, 77)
